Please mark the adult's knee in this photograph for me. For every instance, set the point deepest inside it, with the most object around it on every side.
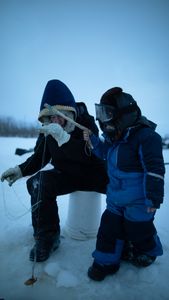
(33, 184)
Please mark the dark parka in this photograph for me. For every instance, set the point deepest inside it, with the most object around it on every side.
(74, 168)
(73, 158)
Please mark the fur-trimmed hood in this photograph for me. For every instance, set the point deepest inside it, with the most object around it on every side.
(58, 96)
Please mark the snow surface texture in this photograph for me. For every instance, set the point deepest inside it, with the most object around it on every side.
(64, 274)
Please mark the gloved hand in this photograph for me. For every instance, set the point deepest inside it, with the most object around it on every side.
(11, 175)
(57, 132)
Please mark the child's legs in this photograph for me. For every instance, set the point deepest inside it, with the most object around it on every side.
(141, 231)
(110, 239)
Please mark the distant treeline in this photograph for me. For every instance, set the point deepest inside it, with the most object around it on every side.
(10, 127)
(165, 140)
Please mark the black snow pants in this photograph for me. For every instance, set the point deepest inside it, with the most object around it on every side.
(45, 186)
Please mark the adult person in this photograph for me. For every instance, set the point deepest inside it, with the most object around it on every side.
(74, 168)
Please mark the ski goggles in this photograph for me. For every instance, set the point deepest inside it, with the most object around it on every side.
(105, 113)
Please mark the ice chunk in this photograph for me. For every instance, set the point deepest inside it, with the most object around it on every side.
(66, 279)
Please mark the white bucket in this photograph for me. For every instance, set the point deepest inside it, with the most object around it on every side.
(84, 213)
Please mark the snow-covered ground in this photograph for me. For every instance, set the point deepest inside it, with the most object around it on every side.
(64, 274)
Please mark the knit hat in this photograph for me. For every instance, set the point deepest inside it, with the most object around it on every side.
(59, 97)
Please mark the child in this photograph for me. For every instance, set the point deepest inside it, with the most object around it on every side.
(133, 151)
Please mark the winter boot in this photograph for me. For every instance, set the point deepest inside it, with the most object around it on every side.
(143, 260)
(127, 253)
(44, 247)
(132, 255)
(98, 272)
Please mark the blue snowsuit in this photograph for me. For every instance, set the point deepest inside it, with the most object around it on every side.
(136, 181)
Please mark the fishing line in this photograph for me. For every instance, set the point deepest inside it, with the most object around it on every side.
(28, 210)
(34, 207)
(19, 198)
(11, 216)
(33, 279)
(88, 149)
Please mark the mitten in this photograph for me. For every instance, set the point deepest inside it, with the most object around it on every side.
(11, 175)
(57, 132)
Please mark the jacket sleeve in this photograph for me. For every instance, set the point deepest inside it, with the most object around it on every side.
(100, 148)
(38, 159)
(153, 164)
(76, 148)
